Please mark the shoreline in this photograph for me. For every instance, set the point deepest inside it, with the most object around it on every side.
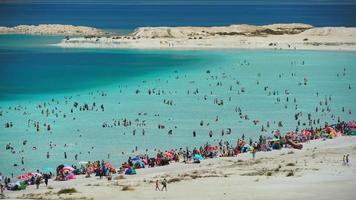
(291, 36)
(315, 166)
(275, 37)
(205, 48)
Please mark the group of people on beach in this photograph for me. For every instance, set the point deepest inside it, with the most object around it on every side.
(105, 169)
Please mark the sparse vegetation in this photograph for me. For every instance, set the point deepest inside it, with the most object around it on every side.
(290, 164)
(119, 177)
(67, 191)
(172, 180)
(290, 173)
(127, 188)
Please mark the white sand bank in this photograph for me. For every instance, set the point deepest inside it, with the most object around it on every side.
(276, 36)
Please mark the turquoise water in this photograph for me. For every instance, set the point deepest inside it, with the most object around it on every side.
(33, 73)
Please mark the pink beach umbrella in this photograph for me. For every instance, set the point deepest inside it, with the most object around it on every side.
(68, 169)
(24, 176)
(35, 174)
(168, 155)
(352, 125)
(211, 148)
(305, 133)
(144, 161)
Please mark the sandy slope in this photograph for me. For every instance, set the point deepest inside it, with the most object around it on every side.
(318, 174)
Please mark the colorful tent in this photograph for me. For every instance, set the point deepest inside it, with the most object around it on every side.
(139, 164)
(198, 157)
(130, 171)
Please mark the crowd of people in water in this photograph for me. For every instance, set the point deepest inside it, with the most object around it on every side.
(309, 125)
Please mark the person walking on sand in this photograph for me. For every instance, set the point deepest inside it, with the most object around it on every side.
(347, 159)
(157, 185)
(164, 184)
(344, 160)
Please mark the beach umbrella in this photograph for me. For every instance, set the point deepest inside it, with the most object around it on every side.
(130, 171)
(90, 169)
(305, 133)
(351, 124)
(136, 158)
(144, 161)
(70, 176)
(211, 148)
(35, 174)
(24, 176)
(67, 168)
(139, 163)
(168, 155)
(109, 165)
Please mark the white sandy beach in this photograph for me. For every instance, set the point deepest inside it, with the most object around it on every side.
(276, 36)
(292, 36)
(316, 172)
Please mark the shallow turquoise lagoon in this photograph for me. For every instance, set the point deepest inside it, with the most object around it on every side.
(33, 73)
